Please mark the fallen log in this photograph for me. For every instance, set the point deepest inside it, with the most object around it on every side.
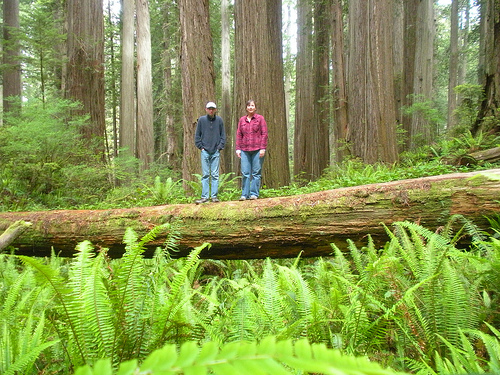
(12, 232)
(273, 227)
(490, 155)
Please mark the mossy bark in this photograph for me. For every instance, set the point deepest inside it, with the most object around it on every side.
(274, 227)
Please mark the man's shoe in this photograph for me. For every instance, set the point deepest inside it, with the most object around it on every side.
(215, 199)
(243, 198)
(253, 197)
(202, 200)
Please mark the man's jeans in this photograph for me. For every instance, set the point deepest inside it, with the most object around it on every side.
(251, 170)
(210, 170)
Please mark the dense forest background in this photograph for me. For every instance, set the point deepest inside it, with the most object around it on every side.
(99, 103)
(100, 97)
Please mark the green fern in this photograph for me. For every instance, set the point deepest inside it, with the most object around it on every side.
(176, 299)
(267, 357)
(19, 352)
(444, 301)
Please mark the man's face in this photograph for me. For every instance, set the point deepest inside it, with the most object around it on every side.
(211, 111)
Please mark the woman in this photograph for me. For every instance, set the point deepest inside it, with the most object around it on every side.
(251, 144)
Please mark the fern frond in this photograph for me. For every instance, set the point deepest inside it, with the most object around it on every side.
(99, 312)
(177, 295)
(268, 357)
(20, 348)
(62, 293)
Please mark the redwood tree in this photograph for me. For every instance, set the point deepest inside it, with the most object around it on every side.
(417, 74)
(85, 66)
(489, 67)
(198, 76)
(127, 99)
(304, 93)
(372, 120)
(339, 88)
(259, 76)
(145, 141)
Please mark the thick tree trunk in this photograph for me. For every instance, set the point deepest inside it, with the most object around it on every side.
(85, 67)
(454, 58)
(339, 88)
(489, 68)
(304, 95)
(198, 78)
(227, 157)
(372, 117)
(145, 137)
(275, 227)
(127, 100)
(258, 61)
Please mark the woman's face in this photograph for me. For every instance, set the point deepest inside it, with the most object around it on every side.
(251, 107)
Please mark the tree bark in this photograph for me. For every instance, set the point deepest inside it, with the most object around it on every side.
(12, 232)
(227, 157)
(490, 155)
(145, 137)
(274, 227)
(339, 87)
(198, 78)
(489, 68)
(422, 132)
(85, 67)
(304, 95)
(321, 61)
(258, 61)
(371, 110)
(453, 75)
(127, 100)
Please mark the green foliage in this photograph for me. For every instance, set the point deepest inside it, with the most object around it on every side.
(166, 192)
(44, 159)
(426, 109)
(267, 357)
(417, 304)
(467, 111)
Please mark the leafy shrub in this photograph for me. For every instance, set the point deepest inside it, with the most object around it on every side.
(44, 159)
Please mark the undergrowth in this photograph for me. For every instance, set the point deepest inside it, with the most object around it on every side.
(419, 304)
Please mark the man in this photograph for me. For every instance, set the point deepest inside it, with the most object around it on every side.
(210, 138)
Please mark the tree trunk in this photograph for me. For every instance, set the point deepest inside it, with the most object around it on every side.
(399, 60)
(274, 227)
(489, 68)
(11, 70)
(259, 76)
(85, 73)
(321, 61)
(127, 100)
(372, 118)
(113, 81)
(421, 131)
(227, 157)
(145, 138)
(453, 68)
(304, 95)
(198, 78)
(339, 89)
(172, 140)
